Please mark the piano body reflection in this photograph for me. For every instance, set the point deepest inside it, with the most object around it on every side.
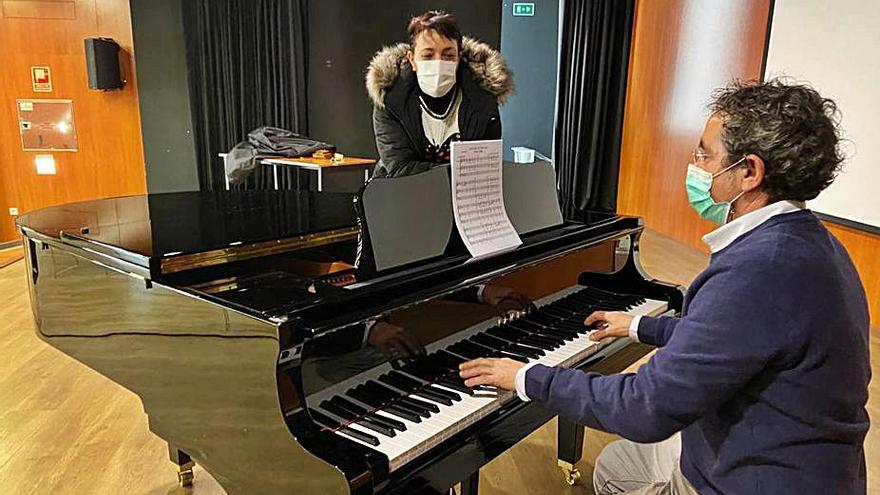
(243, 322)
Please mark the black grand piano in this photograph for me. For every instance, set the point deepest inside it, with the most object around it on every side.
(245, 322)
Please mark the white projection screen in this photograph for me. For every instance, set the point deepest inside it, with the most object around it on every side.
(835, 46)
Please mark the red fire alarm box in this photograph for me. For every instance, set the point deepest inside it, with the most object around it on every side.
(41, 79)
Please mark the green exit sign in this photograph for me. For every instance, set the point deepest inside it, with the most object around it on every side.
(525, 9)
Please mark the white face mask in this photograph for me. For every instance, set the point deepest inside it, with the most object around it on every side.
(436, 77)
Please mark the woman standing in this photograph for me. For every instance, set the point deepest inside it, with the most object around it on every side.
(439, 88)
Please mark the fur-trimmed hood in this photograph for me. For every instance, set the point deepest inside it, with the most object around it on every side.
(486, 65)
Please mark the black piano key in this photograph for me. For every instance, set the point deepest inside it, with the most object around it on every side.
(465, 350)
(419, 411)
(507, 333)
(568, 324)
(401, 412)
(557, 312)
(566, 335)
(541, 330)
(361, 395)
(328, 422)
(489, 341)
(529, 352)
(324, 420)
(428, 406)
(349, 405)
(425, 369)
(406, 386)
(377, 389)
(543, 327)
(540, 317)
(361, 412)
(583, 292)
(376, 426)
(609, 306)
(471, 350)
(598, 293)
(447, 360)
(455, 384)
(580, 302)
(429, 395)
(386, 421)
(550, 339)
(421, 373)
(580, 315)
(363, 437)
(539, 343)
(575, 326)
(403, 382)
(339, 411)
(453, 396)
(364, 422)
(515, 357)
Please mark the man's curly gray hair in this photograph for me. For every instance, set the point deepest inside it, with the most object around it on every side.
(790, 126)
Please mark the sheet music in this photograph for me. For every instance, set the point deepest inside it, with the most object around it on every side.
(478, 198)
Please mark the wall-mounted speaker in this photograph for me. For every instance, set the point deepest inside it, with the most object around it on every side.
(102, 63)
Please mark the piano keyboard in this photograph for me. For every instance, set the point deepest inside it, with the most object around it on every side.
(406, 411)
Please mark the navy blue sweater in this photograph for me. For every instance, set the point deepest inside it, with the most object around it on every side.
(765, 374)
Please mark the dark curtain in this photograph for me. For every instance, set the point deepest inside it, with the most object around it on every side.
(596, 37)
(247, 62)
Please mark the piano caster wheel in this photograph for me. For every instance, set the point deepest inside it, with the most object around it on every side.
(185, 475)
(572, 474)
(572, 477)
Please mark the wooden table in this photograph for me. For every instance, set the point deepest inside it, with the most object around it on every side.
(343, 176)
(346, 175)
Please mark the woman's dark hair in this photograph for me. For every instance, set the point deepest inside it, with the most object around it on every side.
(444, 23)
(790, 126)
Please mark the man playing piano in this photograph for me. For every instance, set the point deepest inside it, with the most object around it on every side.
(765, 374)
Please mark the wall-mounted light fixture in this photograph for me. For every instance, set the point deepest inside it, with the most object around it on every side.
(45, 164)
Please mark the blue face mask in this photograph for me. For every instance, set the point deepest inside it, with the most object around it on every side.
(699, 189)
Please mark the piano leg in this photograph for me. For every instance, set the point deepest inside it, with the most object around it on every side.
(570, 447)
(471, 485)
(184, 464)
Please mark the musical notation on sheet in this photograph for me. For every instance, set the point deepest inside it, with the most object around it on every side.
(478, 198)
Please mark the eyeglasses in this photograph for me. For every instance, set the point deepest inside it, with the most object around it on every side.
(700, 155)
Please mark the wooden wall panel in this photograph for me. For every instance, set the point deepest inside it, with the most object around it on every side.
(864, 249)
(681, 52)
(36, 9)
(110, 158)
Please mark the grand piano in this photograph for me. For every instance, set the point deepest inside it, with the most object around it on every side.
(244, 320)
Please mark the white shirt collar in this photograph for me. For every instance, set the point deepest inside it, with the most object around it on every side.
(723, 236)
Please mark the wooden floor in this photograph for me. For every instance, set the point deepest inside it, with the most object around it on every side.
(10, 256)
(66, 429)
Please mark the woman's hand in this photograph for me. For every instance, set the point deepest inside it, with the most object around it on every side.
(496, 372)
(609, 324)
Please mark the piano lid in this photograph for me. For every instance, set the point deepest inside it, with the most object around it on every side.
(172, 232)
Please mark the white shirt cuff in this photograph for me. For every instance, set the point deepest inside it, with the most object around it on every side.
(480, 289)
(634, 328)
(368, 326)
(520, 382)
